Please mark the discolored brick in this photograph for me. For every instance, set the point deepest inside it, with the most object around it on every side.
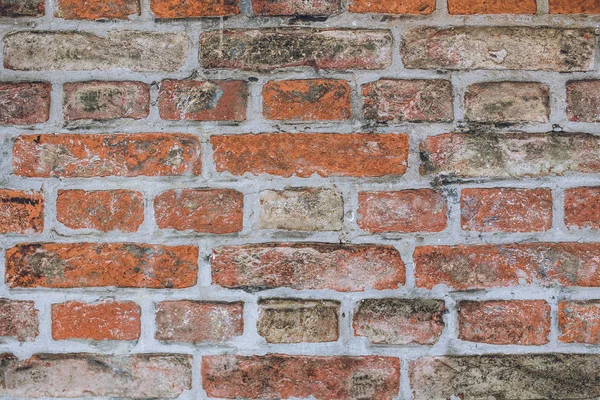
(97, 9)
(19, 319)
(22, 8)
(579, 321)
(24, 103)
(22, 212)
(418, 7)
(296, 7)
(194, 9)
(582, 208)
(583, 101)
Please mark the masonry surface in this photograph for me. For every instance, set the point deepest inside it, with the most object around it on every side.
(325, 199)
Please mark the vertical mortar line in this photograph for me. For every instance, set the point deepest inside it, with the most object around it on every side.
(252, 209)
(193, 31)
(145, 12)
(251, 338)
(451, 318)
(4, 291)
(44, 305)
(197, 389)
(405, 390)
(558, 93)
(50, 191)
(553, 300)
(356, 101)
(407, 250)
(558, 211)
(148, 323)
(397, 64)
(350, 229)
(56, 119)
(542, 7)
(254, 112)
(459, 88)
(154, 114)
(453, 195)
(204, 268)
(347, 304)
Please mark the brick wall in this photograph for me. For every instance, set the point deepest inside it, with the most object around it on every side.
(293, 198)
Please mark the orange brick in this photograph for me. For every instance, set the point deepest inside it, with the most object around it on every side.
(574, 7)
(579, 321)
(194, 9)
(393, 6)
(492, 6)
(582, 208)
(22, 212)
(97, 9)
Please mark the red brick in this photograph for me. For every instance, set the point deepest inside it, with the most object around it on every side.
(125, 265)
(281, 377)
(574, 7)
(462, 7)
(139, 376)
(22, 8)
(97, 9)
(345, 268)
(22, 212)
(19, 319)
(579, 321)
(420, 210)
(509, 155)
(200, 210)
(100, 100)
(194, 9)
(522, 322)
(582, 208)
(107, 320)
(393, 6)
(198, 321)
(487, 266)
(126, 155)
(304, 154)
(307, 100)
(400, 321)
(583, 101)
(24, 103)
(506, 210)
(273, 48)
(103, 210)
(203, 100)
(416, 100)
(296, 7)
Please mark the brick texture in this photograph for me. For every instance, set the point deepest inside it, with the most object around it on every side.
(97, 9)
(583, 102)
(296, 7)
(579, 321)
(19, 319)
(574, 7)
(582, 208)
(22, 8)
(462, 7)
(22, 212)
(23, 103)
(417, 7)
(194, 9)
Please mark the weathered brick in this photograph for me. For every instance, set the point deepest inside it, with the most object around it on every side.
(509, 155)
(302, 209)
(465, 7)
(582, 208)
(103, 210)
(469, 47)
(345, 268)
(420, 210)
(127, 155)
(393, 6)
(510, 376)
(97, 9)
(583, 101)
(139, 376)
(106, 320)
(105, 100)
(24, 103)
(22, 212)
(506, 210)
(485, 266)
(200, 210)
(198, 321)
(194, 9)
(416, 100)
(19, 319)
(574, 7)
(281, 377)
(64, 50)
(298, 321)
(125, 265)
(307, 100)
(579, 321)
(203, 100)
(304, 154)
(296, 7)
(522, 322)
(22, 8)
(400, 321)
(507, 102)
(270, 49)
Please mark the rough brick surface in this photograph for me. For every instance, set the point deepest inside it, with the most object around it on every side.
(22, 8)
(420, 210)
(194, 9)
(582, 208)
(302, 209)
(102, 210)
(574, 7)
(22, 212)
(106, 100)
(307, 100)
(527, 48)
(97, 9)
(140, 376)
(417, 7)
(269, 49)
(198, 321)
(400, 321)
(23, 103)
(126, 265)
(298, 321)
(522, 322)
(203, 100)
(579, 321)
(280, 376)
(126, 155)
(583, 101)
(515, 376)
(343, 268)
(507, 102)
(284, 154)
(506, 210)
(487, 266)
(463, 7)
(107, 320)
(19, 319)
(296, 7)
(509, 155)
